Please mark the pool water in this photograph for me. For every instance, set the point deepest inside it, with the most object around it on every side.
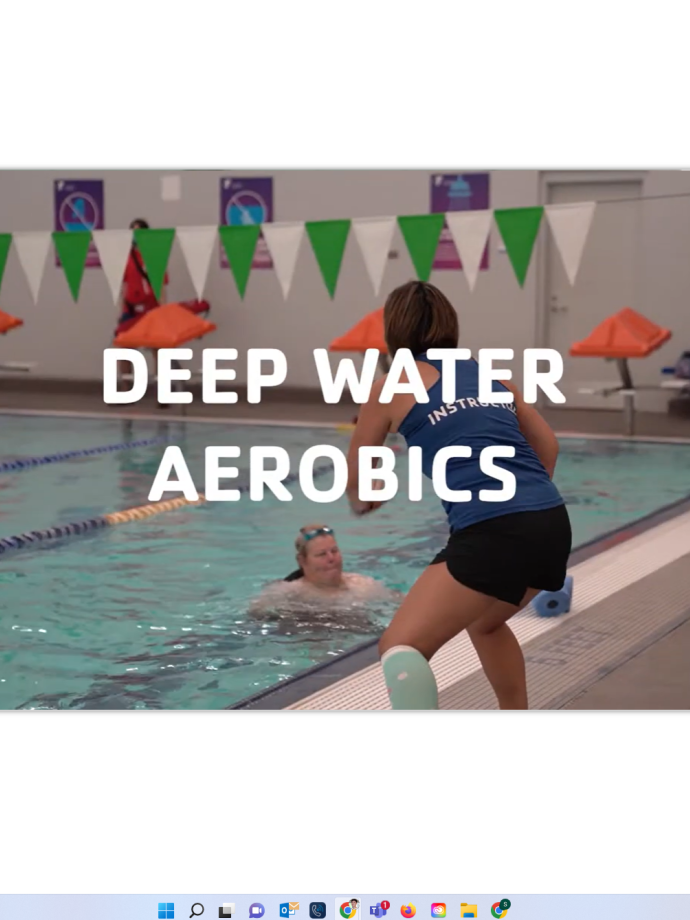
(154, 614)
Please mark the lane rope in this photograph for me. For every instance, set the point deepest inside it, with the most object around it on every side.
(23, 463)
(111, 519)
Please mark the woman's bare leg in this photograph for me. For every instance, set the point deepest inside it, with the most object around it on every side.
(436, 609)
(500, 653)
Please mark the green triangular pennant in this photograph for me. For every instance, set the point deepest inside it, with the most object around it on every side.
(72, 248)
(328, 239)
(519, 228)
(240, 244)
(5, 243)
(421, 233)
(155, 246)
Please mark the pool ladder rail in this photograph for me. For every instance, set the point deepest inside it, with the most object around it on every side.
(628, 390)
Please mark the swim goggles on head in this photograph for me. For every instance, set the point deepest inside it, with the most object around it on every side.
(317, 532)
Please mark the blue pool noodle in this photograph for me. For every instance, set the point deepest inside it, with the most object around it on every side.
(555, 603)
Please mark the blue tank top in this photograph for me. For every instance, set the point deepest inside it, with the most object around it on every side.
(468, 422)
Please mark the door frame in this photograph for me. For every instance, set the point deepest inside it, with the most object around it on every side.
(548, 178)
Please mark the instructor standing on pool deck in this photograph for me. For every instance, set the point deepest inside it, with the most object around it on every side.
(499, 554)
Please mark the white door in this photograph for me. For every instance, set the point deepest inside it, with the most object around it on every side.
(606, 282)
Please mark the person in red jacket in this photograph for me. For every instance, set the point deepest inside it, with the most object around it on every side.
(138, 296)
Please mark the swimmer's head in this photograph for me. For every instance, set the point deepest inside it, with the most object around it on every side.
(418, 316)
(318, 555)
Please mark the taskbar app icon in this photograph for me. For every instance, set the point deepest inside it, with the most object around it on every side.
(348, 907)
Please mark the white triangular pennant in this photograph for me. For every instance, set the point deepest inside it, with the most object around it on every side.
(32, 249)
(375, 236)
(470, 231)
(283, 241)
(114, 247)
(197, 247)
(570, 225)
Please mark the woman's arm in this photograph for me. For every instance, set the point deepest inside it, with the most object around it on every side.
(373, 425)
(536, 430)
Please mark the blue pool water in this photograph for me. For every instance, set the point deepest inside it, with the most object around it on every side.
(154, 614)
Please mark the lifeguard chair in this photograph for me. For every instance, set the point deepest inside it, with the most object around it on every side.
(367, 333)
(7, 323)
(627, 334)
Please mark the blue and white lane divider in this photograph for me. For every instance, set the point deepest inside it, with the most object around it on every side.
(20, 541)
(24, 463)
(51, 534)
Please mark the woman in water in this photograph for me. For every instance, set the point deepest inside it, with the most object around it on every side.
(499, 554)
(319, 592)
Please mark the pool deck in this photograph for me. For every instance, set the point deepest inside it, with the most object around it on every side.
(625, 645)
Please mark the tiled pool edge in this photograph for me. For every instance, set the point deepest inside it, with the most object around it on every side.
(321, 676)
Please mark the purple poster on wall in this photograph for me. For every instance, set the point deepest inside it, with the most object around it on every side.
(247, 201)
(457, 192)
(80, 205)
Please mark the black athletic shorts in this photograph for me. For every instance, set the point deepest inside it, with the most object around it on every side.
(506, 555)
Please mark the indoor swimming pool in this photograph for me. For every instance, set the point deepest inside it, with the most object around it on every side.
(155, 613)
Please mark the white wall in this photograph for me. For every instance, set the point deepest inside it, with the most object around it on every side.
(67, 339)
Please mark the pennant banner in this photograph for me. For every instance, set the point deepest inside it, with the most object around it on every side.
(5, 243)
(375, 237)
(155, 247)
(570, 224)
(470, 232)
(519, 228)
(197, 245)
(239, 243)
(32, 250)
(72, 248)
(421, 234)
(283, 241)
(328, 239)
(114, 247)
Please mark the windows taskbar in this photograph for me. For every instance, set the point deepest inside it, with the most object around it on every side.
(293, 906)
